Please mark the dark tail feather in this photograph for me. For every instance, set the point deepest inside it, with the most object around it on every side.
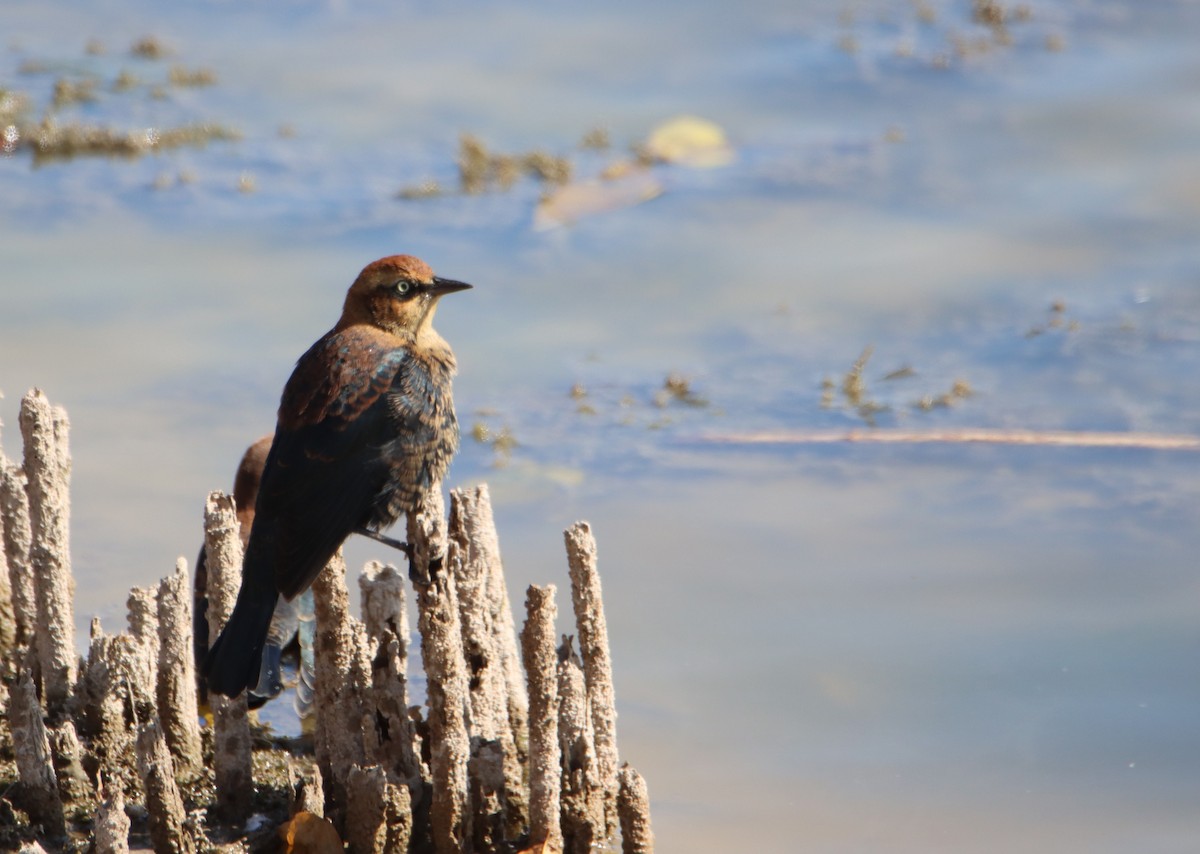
(235, 659)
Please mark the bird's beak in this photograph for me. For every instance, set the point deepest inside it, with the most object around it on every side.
(440, 286)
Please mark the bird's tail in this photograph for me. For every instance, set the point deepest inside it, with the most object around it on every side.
(280, 633)
(235, 659)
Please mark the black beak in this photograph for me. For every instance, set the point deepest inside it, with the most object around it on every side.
(441, 286)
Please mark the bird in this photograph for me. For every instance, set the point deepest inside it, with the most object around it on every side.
(365, 426)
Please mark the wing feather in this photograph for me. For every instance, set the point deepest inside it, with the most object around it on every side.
(327, 465)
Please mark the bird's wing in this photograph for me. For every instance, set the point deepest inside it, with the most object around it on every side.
(325, 467)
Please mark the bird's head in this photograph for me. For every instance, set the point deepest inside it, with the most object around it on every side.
(398, 294)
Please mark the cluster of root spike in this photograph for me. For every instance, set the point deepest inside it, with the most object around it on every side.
(514, 749)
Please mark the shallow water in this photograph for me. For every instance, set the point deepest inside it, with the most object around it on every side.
(828, 648)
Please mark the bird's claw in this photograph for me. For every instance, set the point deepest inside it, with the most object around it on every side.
(422, 574)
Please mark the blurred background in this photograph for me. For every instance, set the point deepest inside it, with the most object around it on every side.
(908, 215)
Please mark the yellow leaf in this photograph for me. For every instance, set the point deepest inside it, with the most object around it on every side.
(690, 141)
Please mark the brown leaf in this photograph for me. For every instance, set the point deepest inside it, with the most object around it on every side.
(308, 833)
(541, 848)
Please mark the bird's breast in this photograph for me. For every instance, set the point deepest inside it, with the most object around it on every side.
(425, 438)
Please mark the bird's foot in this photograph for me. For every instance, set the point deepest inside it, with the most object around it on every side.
(424, 574)
(387, 541)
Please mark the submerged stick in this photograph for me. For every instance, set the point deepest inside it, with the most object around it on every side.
(633, 803)
(498, 798)
(8, 617)
(485, 544)
(306, 791)
(381, 593)
(35, 766)
(231, 726)
(118, 695)
(177, 709)
(446, 669)
(597, 662)
(111, 835)
(14, 513)
(379, 813)
(1061, 438)
(8, 620)
(73, 784)
(390, 737)
(142, 609)
(163, 802)
(545, 772)
(48, 468)
(583, 817)
(343, 669)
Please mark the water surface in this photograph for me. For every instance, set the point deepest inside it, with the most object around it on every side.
(826, 648)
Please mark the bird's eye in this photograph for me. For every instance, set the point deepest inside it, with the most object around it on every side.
(403, 287)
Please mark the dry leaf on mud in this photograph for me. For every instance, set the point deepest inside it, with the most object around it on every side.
(541, 848)
(308, 833)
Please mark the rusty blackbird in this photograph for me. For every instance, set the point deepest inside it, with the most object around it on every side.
(366, 425)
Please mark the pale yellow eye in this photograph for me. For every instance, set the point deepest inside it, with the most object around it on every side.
(403, 287)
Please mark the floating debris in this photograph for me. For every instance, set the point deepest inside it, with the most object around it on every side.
(867, 411)
(573, 202)
(900, 374)
(596, 140)
(547, 167)
(32, 66)
(689, 141)
(13, 110)
(125, 81)
(474, 165)
(9, 137)
(503, 442)
(828, 387)
(149, 47)
(961, 390)
(579, 393)
(67, 92)
(481, 170)
(854, 387)
(425, 190)
(52, 141)
(1057, 319)
(676, 387)
(182, 76)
